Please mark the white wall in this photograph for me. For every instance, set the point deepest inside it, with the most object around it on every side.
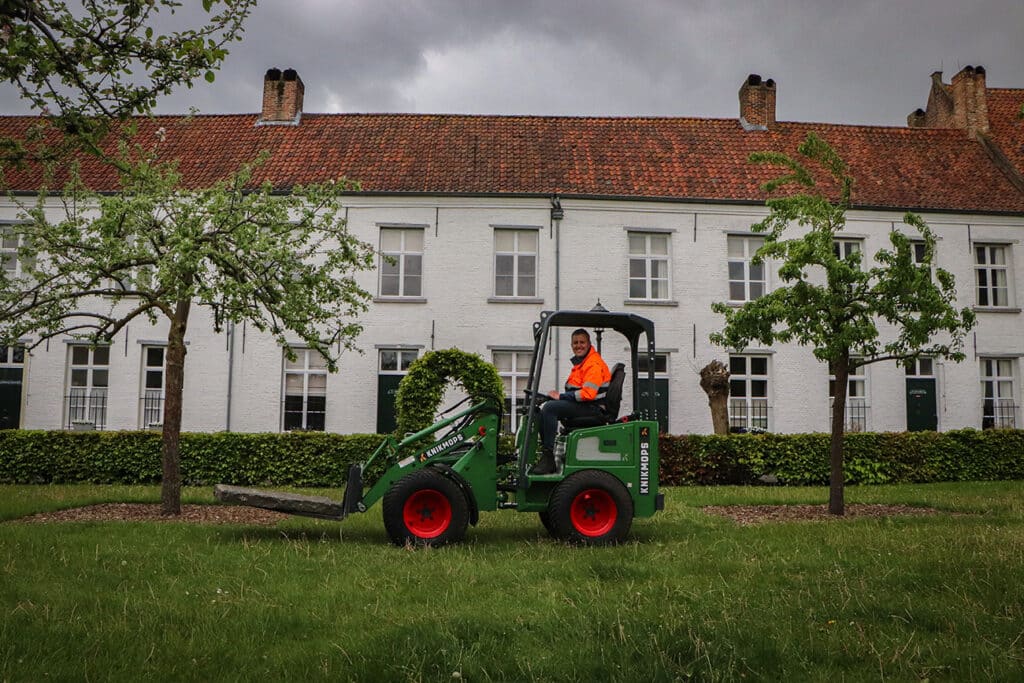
(458, 279)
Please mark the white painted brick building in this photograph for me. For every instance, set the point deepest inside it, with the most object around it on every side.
(482, 254)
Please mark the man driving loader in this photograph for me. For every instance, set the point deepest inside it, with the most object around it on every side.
(585, 389)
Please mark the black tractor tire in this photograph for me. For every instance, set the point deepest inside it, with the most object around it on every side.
(425, 508)
(591, 507)
(545, 519)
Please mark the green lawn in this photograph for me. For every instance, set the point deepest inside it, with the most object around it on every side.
(692, 597)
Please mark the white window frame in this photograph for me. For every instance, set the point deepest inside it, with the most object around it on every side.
(403, 258)
(847, 246)
(519, 255)
(648, 258)
(990, 290)
(10, 244)
(151, 399)
(858, 404)
(307, 365)
(999, 385)
(749, 411)
(86, 404)
(404, 357)
(515, 377)
(749, 245)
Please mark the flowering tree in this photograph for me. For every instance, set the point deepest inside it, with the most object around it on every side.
(158, 249)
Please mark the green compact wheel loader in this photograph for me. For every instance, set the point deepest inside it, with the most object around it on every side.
(436, 482)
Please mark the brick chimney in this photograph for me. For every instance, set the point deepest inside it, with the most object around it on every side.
(282, 98)
(757, 103)
(961, 104)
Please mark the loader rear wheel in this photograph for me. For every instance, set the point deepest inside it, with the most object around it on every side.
(425, 508)
(545, 519)
(591, 508)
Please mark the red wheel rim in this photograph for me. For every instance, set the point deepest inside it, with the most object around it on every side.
(593, 512)
(427, 513)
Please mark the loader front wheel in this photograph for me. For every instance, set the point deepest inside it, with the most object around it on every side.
(425, 508)
(591, 508)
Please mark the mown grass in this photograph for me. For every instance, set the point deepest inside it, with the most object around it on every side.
(691, 597)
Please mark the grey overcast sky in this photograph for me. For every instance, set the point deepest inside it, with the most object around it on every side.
(840, 61)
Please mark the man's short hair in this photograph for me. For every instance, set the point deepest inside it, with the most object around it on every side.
(581, 331)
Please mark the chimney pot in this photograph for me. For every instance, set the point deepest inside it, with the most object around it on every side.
(273, 75)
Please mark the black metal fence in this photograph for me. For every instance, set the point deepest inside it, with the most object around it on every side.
(86, 409)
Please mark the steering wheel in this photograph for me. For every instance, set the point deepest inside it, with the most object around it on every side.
(541, 398)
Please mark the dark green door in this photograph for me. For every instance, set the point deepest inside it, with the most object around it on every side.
(387, 387)
(922, 412)
(660, 399)
(10, 398)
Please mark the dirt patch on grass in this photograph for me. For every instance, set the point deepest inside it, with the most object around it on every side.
(760, 514)
(145, 512)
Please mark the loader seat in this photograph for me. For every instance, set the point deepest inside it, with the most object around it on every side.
(609, 404)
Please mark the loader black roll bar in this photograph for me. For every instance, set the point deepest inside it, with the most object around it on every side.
(629, 325)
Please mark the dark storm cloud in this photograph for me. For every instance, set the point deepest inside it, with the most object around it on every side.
(845, 61)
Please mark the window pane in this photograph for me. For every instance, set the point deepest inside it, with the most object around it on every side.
(504, 264)
(736, 291)
(737, 387)
(759, 388)
(925, 365)
(99, 378)
(389, 267)
(101, 355)
(756, 290)
(293, 384)
(637, 289)
(154, 379)
(735, 247)
(414, 240)
(413, 264)
(408, 358)
(997, 256)
(527, 265)
(503, 286)
(388, 360)
(504, 240)
(659, 268)
(316, 359)
(979, 255)
(79, 355)
(413, 285)
(155, 357)
(736, 270)
(528, 240)
(526, 286)
(637, 243)
(503, 361)
(637, 268)
(389, 285)
(79, 378)
(1003, 367)
(659, 244)
(390, 240)
(8, 262)
(758, 366)
(317, 384)
(738, 365)
(659, 289)
(757, 271)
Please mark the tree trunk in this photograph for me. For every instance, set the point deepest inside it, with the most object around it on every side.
(170, 491)
(841, 370)
(714, 380)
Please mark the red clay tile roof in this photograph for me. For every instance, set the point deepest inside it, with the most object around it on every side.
(1005, 123)
(674, 158)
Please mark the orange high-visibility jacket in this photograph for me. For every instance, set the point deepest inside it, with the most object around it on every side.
(588, 380)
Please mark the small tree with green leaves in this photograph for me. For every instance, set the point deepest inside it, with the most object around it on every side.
(832, 302)
(284, 262)
(88, 64)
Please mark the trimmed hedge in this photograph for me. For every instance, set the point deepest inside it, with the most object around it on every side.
(870, 457)
(319, 459)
